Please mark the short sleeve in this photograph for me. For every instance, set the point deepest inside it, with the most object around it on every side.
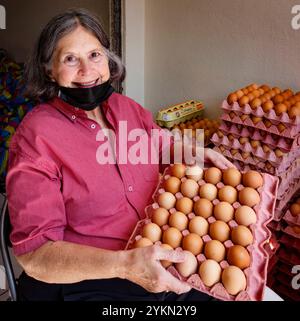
(35, 202)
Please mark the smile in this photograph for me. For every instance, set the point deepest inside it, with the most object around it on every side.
(86, 84)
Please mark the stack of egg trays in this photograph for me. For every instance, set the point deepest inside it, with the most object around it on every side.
(292, 125)
(256, 274)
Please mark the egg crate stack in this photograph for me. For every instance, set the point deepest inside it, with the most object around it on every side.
(260, 131)
(281, 275)
(220, 220)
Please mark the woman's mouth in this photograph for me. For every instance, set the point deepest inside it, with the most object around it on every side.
(86, 84)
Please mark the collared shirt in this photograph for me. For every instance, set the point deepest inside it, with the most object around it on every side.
(57, 187)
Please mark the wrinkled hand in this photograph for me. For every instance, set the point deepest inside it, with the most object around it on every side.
(217, 159)
(144, 268)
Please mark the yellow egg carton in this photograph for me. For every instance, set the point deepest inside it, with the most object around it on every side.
(173, 115)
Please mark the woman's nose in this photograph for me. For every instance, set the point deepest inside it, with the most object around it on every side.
(84, 67)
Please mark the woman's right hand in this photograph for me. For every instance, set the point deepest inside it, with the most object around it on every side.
(142, 266)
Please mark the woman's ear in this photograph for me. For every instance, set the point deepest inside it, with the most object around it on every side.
(49, 74)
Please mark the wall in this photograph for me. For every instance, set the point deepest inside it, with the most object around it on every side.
(25, 19)
(205, 49)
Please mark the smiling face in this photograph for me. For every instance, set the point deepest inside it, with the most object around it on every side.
(79, 60)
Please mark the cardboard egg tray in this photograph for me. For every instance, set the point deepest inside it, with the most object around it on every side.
(258, 163)
(290, 231)
(274, 141)
(290, 219)
(288, 132)
(258, 152)
(256, 273)
(259, 112)
(290, 242)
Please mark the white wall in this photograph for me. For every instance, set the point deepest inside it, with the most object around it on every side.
(134, 49)
(25, 20)
(203, 49)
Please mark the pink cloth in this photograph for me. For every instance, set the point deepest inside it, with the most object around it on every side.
(58, 191)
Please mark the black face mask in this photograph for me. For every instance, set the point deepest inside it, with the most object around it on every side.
(86, 98)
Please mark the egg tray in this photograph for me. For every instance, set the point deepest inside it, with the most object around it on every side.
(254, 161)
(257, 152)
(272, 246)
(274, 226)
(256, 273)
(274, 141)
(286, 292)
(288, 132)
(290, 219)
(290, 242)
(259, 112)
(289, 230)
(282, 204)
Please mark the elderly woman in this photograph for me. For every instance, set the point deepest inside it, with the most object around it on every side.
(71, 216)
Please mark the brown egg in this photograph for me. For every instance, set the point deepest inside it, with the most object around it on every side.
(296, 229)
(266, 88)
(267, 123)
(193, 243)
(239, 94)
(160, 216)
(232, 98)
(243, 101)
(244, 117)
(189, 266)
(280, 109)
(256, 120)
(172, 237)
(252, 179)
(178, 220)
(268, 105)
(189, 188)
(210, 272)
(184, 205)
(232, 177)
(278, 152)
(142, 242)
(198, 225)
(203, 207)
(227, 194)
(294, 112)
(166, 200)
(241, 235)
(249, 196)
(255, 103)
(265, 148)
(237, 255)
(255, 143)
(277, 99)
(219, 230)
(194, 172)
(178, 170)
(208, 191)
(213, 175)
(281, 127)
(215, 250)
(172, 184)
(295, 209)
(245, 215)
(234, 280)
(152, 232)
(243, 140)
(224, 211)
(166, 263)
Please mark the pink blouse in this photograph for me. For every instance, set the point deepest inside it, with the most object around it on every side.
(58, 190)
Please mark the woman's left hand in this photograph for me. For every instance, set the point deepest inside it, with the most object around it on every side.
(217, 159)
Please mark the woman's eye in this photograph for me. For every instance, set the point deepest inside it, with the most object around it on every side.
(96, 56)
(71, 60)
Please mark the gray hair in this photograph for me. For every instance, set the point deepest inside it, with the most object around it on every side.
(39, 85)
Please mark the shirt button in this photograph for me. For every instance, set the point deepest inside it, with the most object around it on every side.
(73, 117)
(93, 126)
(130, 188)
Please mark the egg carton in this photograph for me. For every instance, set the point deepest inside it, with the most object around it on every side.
(290, 242)
(286, 291)
(283, 203)
(259, 112)
(257, 152)
(272, 140)
(256, 273)
(288, 132)
(274, 226)
(254, 161)
(290, 219)
(290, 231)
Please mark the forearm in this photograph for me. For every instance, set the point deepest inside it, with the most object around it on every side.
(64, 262)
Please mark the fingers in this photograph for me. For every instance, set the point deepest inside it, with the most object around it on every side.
(218, 159)
(169, 255)
(175, 285)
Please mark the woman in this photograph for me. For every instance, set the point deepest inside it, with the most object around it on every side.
(71, 215)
